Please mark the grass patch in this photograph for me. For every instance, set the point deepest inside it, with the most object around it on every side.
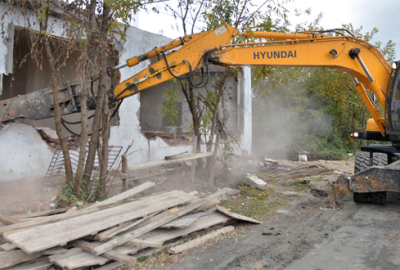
(254, 203)
(300, 184)
(66, 197)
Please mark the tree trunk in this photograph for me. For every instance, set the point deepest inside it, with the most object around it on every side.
(57, 113)
(190, 98)
(94, 142)
(104, 149)
(220, 90)
(84, 135)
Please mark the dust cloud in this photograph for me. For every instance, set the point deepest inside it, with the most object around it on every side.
(286, 123)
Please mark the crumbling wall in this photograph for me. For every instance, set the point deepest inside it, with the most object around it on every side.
(128, 130)
(14, 17)
(30, 156)
(23, 153)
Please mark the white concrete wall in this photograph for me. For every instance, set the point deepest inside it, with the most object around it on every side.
(129, 126)
(23, 153)
(138, 42)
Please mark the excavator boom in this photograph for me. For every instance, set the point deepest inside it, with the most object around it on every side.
(354, 56)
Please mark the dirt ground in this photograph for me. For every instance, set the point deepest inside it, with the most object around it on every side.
(298, 235)
(32, 195)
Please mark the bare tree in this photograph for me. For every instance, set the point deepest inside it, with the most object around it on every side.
(206, 15)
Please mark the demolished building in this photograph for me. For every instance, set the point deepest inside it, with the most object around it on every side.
(25, 154)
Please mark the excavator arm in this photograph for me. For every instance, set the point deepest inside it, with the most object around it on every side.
(354, 56)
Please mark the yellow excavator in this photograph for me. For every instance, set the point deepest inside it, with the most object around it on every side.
(376, 167)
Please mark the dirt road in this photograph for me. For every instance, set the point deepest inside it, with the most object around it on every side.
(300, 236)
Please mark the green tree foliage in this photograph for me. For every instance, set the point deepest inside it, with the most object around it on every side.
(306, 109)
(169, 108)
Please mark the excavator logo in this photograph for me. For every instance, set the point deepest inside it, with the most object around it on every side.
(275, 54)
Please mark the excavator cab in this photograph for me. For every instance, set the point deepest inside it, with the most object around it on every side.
(393, 102)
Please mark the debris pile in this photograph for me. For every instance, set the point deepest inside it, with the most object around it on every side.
(286, 173)
(114, 232)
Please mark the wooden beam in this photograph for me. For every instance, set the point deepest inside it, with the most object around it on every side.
(83, 259)
(201, 240)
(117, 241)
(166, 162)
(112, 255)
(7, 247)
(42, 213)
(110, 266)
(237, 216)
(69, 253)
(50, 235)
(123, 228)
(145, 244)
(43, 220)
(39, 264)
(124, 195)
(164, 235)
(7, 220)
(183, 222)
(10, 258)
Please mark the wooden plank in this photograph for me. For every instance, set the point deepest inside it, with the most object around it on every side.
(43, 220)
(211, 218)
(151, 251)
(11, 258)
(184, 221)
(145, 243)
(237, 216)
(110, 266)
(54, 251)
(42, 213)
(57, 234)
(69, 253)
(111, 254)
(7, 220)
(105, 234)
(142, 230)
(124, 195)
(119, 229)
(39, 264)
(83, 259)
(166, 162)
(201, 240)
(8, 247)
(164, 235)
(216, 197)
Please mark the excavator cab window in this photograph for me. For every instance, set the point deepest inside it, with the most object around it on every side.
(393, 98)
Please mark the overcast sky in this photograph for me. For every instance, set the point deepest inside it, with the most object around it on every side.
(367, 13)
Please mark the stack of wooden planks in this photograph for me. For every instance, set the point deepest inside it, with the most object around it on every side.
(112, 233)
